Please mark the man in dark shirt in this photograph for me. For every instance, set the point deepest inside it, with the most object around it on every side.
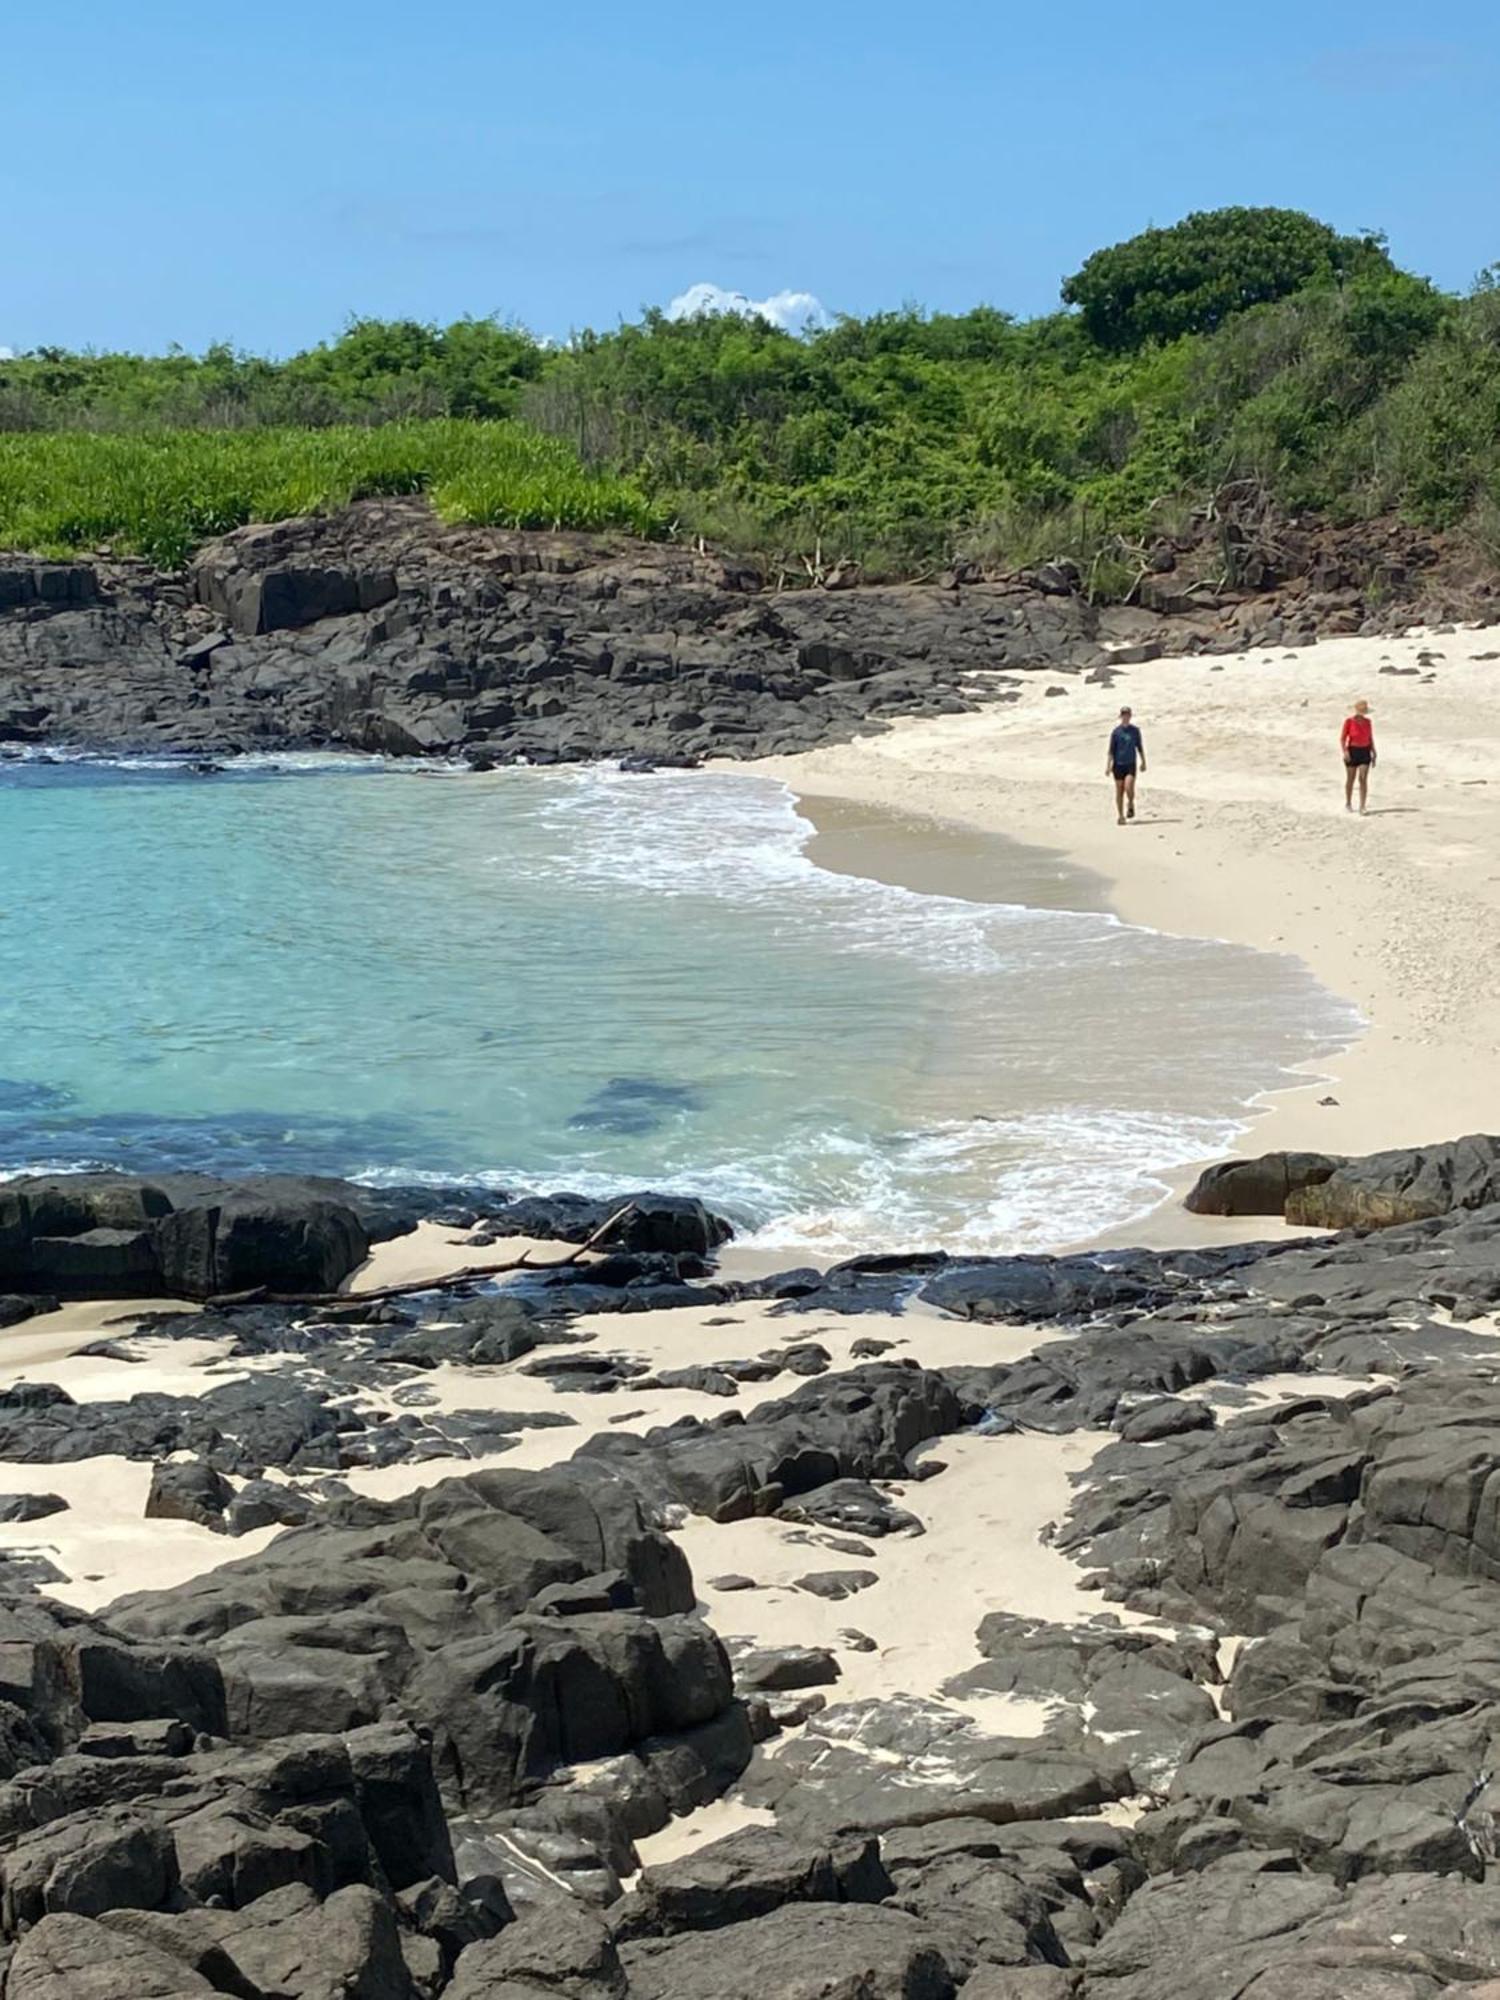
(1127, 751)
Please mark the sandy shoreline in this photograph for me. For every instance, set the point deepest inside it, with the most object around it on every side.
(1242, 836)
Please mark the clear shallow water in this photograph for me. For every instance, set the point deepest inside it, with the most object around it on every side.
(580, 979)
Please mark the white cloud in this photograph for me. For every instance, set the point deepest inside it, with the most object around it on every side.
(798, 312)
(7, 353)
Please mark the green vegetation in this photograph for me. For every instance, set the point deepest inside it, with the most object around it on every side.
(1249, 345)
(1190, 278)
(160, 493)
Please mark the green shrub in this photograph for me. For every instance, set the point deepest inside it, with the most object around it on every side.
(1192, 277)
(160, 494)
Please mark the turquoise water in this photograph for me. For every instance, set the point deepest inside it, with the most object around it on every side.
(581, 979)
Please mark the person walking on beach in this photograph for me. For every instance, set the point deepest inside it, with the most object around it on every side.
(1127, 749)
(1357, 741)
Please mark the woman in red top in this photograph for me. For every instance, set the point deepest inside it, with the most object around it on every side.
(1357, 741)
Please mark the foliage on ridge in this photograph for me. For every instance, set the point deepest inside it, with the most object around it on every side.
(1250, 344)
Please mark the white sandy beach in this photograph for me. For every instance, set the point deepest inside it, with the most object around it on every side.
(1242, 835)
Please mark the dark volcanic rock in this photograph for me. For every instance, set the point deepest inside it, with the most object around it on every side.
(380, 629)
(30, 1506)
(117, 1235)
(1260, 1186)
(803, 1951)
(1404, 1186)
(747, 1875)
(189, 1492)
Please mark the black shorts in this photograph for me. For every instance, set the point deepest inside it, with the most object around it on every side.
(1124, 770)
(1354, 756)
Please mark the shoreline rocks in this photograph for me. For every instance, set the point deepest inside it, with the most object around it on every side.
(379, 629)
(410, 1748)
(1376, 1191)
(181, 1235)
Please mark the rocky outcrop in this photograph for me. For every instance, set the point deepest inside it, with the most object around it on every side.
(381, 630)
(409, 1748)
(1261, 1186)
(1404, 1186)
(115, 1235)
(1326, 1191)
(182, 1235)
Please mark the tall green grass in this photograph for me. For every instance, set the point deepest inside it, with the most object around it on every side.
(163, 493)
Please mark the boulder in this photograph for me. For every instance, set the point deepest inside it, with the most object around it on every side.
(1406, 1185)
(746, 1875)
(1260, 1186)
(30, 1506)
(75, 1958)
(189, 1491)
(122, 1235)
(1164, 1417)
(802, 1951)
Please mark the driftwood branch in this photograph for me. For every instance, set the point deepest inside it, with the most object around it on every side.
(260, 1296)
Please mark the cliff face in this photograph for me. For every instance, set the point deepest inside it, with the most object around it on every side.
(380, 630)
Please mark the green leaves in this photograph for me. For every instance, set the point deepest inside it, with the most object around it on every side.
(1192, 277)
(161, 494)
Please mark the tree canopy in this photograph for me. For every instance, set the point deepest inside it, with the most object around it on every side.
(1192, 277)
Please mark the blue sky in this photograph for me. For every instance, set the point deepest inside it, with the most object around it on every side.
(173, 171)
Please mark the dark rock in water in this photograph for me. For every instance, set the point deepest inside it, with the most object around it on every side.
(30, 1506)
(182, 1234)
(346, 629)
(1258, 1187)
(189, 1492)
(633, 1105)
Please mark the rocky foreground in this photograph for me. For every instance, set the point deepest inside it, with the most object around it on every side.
(408, 1748)
(379, 630)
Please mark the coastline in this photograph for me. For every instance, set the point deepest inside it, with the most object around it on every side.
(1242, 837)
